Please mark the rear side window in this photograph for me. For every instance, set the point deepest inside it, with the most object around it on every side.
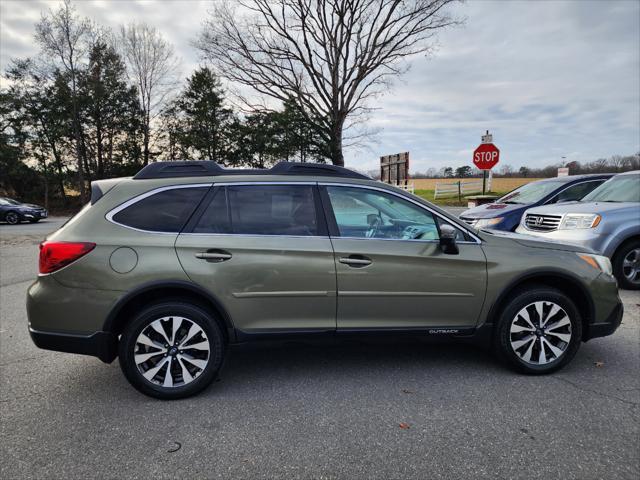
(261, 210)
(165, 211)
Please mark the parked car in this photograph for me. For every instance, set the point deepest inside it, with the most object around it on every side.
(506, 212)
(607, 220)
(166, 269)
(13, 211)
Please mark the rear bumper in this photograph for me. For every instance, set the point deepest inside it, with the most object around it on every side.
(610, 325)
(103, 345)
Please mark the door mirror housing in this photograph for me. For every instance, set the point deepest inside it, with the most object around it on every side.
(448, 243)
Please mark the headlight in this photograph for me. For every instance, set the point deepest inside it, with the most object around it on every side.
(487, 222)
(598, 262)
(580, 220)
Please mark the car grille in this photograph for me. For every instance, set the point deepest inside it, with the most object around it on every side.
(542, 223)
(469, 221)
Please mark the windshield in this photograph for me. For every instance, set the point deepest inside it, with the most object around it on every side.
(531, 192)
(8, 201)
(623, 188)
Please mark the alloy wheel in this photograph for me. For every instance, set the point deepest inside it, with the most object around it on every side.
(171, 351)
(540, 333)
(12, 218)
(631, 266)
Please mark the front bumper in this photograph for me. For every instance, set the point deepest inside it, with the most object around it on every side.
(34, 214)
(584, 237)
(607, 327)
(103, 345)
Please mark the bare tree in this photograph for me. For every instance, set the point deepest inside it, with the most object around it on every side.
(63, 37)
(152, 66)
(329, 56)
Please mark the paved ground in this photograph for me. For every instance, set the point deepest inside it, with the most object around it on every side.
(299, 410)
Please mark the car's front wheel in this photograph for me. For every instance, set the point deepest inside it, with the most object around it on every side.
(626, 265)
(171, 350)
(539, 330)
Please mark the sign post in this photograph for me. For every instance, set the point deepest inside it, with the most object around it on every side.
(485, 157)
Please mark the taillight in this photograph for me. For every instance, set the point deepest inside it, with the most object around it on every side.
(55, 255)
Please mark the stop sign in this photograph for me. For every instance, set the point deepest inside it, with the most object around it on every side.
(486, 156)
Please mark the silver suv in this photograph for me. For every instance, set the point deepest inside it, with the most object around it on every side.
(607, 220)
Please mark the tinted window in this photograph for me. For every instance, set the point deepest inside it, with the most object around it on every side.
(215, 218)
(165, 211)
(261, 210)
(576, 192)
(363, 213)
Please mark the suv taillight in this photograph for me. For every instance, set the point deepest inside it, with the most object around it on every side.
(55, 255)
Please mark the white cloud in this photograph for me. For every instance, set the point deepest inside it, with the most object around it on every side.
(550, 79)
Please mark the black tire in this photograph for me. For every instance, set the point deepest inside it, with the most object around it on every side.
(142, 322)
(503, 335)
(12, 218)
(618, 265)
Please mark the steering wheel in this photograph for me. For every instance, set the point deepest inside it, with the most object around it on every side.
(374, 226)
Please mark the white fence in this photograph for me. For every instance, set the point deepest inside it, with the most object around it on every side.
(460, 188)
(408, 187)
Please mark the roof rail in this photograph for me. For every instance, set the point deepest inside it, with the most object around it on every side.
(208, 169)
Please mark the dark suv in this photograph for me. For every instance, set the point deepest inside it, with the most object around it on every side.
(168, 268)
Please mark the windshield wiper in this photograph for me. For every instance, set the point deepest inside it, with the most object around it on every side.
(511, 202)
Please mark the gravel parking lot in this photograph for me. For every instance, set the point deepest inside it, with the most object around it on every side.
(302, 410)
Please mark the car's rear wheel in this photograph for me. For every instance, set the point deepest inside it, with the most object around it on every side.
(171, 350)
(626, 265)
(12, 218)
(539, 331)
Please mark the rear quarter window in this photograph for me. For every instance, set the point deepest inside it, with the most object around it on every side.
(164, 211)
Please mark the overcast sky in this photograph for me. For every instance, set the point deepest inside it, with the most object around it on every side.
(549, 79)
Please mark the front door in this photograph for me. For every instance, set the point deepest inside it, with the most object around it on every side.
(263, 251)
(391, 270)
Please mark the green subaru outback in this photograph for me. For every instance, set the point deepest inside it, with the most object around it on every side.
(166, 269)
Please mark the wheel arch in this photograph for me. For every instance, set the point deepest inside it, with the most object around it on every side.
(566, 283)
(623, 242)
(133, 301)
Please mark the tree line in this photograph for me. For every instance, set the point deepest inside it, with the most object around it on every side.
(97, 103)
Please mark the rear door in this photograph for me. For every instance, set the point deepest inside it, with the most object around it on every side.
(263, 251)
(390, 268)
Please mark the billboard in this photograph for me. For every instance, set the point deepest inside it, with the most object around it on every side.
(394, 169)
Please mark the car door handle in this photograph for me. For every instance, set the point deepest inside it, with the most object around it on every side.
(214, 255)
(356, 261)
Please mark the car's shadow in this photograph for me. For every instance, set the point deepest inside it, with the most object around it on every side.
(311, 368)
(293, 362)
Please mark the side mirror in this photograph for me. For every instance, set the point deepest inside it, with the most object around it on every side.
(448, 236)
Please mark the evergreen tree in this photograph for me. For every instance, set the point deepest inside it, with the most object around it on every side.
(204, 118)
(111, 115)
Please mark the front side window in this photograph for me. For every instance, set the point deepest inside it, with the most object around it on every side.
(575, 192)
(165, 211)
(363, 213)
(261, 210)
